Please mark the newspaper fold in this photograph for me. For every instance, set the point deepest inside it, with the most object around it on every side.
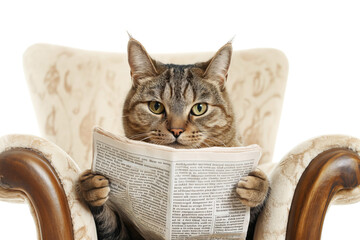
(177, 193)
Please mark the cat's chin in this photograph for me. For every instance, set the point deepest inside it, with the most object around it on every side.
(177, 145)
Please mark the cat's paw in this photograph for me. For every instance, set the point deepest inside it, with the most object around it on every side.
(94, 188)
(253, 189)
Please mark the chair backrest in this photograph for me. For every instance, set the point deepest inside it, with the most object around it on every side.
(73, 90)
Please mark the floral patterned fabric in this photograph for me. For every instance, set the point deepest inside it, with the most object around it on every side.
(73, 90)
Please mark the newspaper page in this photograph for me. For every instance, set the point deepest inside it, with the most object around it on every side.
(177, 193)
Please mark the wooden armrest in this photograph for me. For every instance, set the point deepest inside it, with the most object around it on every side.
(330, 172)
(31, 173)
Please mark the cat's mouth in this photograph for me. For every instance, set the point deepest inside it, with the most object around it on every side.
(162, 138)
(166, 142)
(176, 144)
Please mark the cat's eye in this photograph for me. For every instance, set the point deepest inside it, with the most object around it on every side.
(156, 107)
(199, 109)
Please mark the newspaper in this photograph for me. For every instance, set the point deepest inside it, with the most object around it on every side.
(177, 193)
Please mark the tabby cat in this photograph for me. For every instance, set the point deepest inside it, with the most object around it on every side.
(182, 106)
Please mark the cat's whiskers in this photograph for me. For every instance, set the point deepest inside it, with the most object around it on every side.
(207, 145)
(145, 138)
(159, 142)
(195, 146)
(138, 136)
(215, 140)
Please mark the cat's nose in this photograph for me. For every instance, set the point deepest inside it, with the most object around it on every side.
(176, 131)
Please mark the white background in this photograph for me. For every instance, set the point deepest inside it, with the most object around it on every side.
(320, 38)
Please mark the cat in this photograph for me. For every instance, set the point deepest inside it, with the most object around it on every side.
(182, 106)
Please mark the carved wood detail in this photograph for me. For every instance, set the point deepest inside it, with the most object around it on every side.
(330, 172)
(31, 173)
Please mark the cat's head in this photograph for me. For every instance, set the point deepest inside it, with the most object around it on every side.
(184, 106)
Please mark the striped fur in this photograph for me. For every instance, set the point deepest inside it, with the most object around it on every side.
(179, 88)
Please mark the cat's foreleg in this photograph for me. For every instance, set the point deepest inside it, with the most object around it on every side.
(253, 191)
(253, 188)
(94, 189)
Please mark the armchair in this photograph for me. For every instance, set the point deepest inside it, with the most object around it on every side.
(73, 90)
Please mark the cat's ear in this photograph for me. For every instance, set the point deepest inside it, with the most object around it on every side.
(218, 66)
(141, 64)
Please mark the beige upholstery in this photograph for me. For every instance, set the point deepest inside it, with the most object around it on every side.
(73, 90)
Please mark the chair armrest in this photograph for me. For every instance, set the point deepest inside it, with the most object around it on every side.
(305, 182)
(31, 173)
(330, 172)
(39, 172)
